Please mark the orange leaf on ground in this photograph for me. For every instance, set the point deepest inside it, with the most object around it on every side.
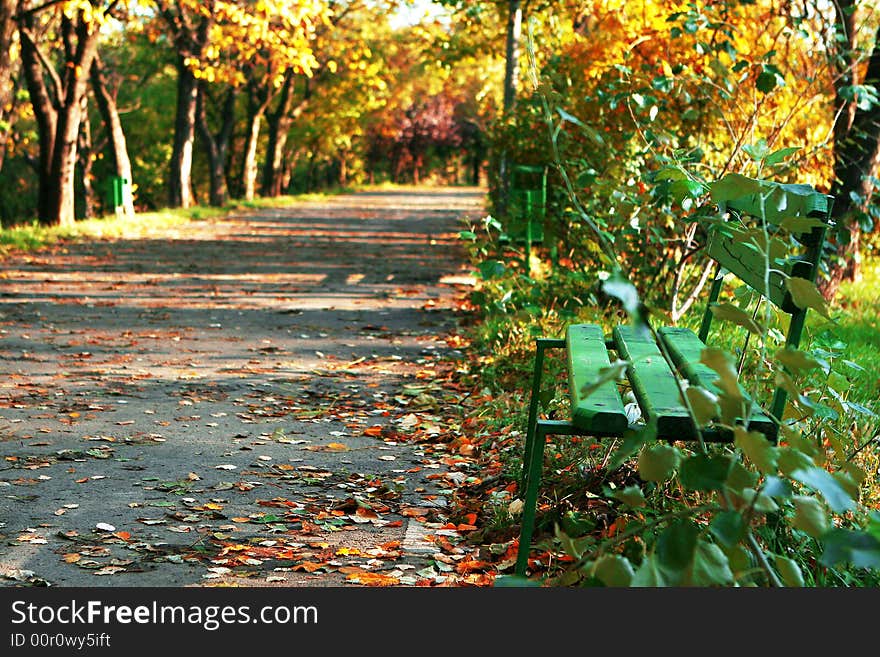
(351, 570)
(471, 565)
(373, 579)
(72, 557)
(309, 566)
(471, 519)
(374, 431)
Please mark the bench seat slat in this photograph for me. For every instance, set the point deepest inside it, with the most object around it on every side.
(602, 410)
(653, 383)
(685, 348)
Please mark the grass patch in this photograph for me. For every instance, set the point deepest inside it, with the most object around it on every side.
(859, 327)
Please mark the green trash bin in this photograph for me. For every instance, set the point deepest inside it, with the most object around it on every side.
(527, 204)
(117, 190)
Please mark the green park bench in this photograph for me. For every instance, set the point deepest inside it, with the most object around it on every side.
(598, 410)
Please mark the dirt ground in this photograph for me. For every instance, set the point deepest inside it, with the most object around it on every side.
(256, 400)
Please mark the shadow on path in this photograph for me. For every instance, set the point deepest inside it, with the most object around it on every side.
(254, 400)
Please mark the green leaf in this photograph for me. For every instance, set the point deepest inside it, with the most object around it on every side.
(720, 361)
(468, 235)
(632, 442)
(671, 173)
(796, 360)
(605, 374)
(789, 571)
(769, 79)
(704, 472)
(776, 487)
(797, 441)
(873, 526)
(757, 151)
(676, 546)
(733, 186)
(614, 570)
(779, 156)
(809, 516)
(759, 501)
(631, 495)
(739, 558)
(703, 403)
(791, 459)
(860, 549)
(850, 485)
(740, 477)
(823, 482)
(729, 312)
(514, 581)
(710, 566)
(805, 294)
(577, 524)
(728, 528)
(649, 574)
(757, 448)
(491, 269)
(657, 463)
(621, 289)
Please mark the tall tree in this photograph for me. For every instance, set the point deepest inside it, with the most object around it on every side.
(856, 143)
(59, 110)
(7, 66)
(279, 121)
(105, 96)
(217, 144)
(189, 24)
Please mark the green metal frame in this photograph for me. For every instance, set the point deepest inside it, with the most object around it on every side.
(538, 429)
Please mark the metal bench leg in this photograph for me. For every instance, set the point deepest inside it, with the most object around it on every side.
(541, 345)
(533, 468)
(533, 454)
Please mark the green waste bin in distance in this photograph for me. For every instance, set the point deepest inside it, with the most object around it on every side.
(527, 203)
(117, 189)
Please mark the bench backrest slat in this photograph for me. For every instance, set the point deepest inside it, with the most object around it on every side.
(740, 246)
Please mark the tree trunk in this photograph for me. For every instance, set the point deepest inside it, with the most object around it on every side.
(58, 114)
(278, 123)
(106, 101)
(180, 174)
(7, 91)
(76, 76)
(856, 156)
(84, 156)
(343, 169)
(511, 66)
(44, 112)
(217, 146)
(259, 97)
(249, 165)
(511, 78)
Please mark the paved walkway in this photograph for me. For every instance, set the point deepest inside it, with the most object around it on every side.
(255, 400)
